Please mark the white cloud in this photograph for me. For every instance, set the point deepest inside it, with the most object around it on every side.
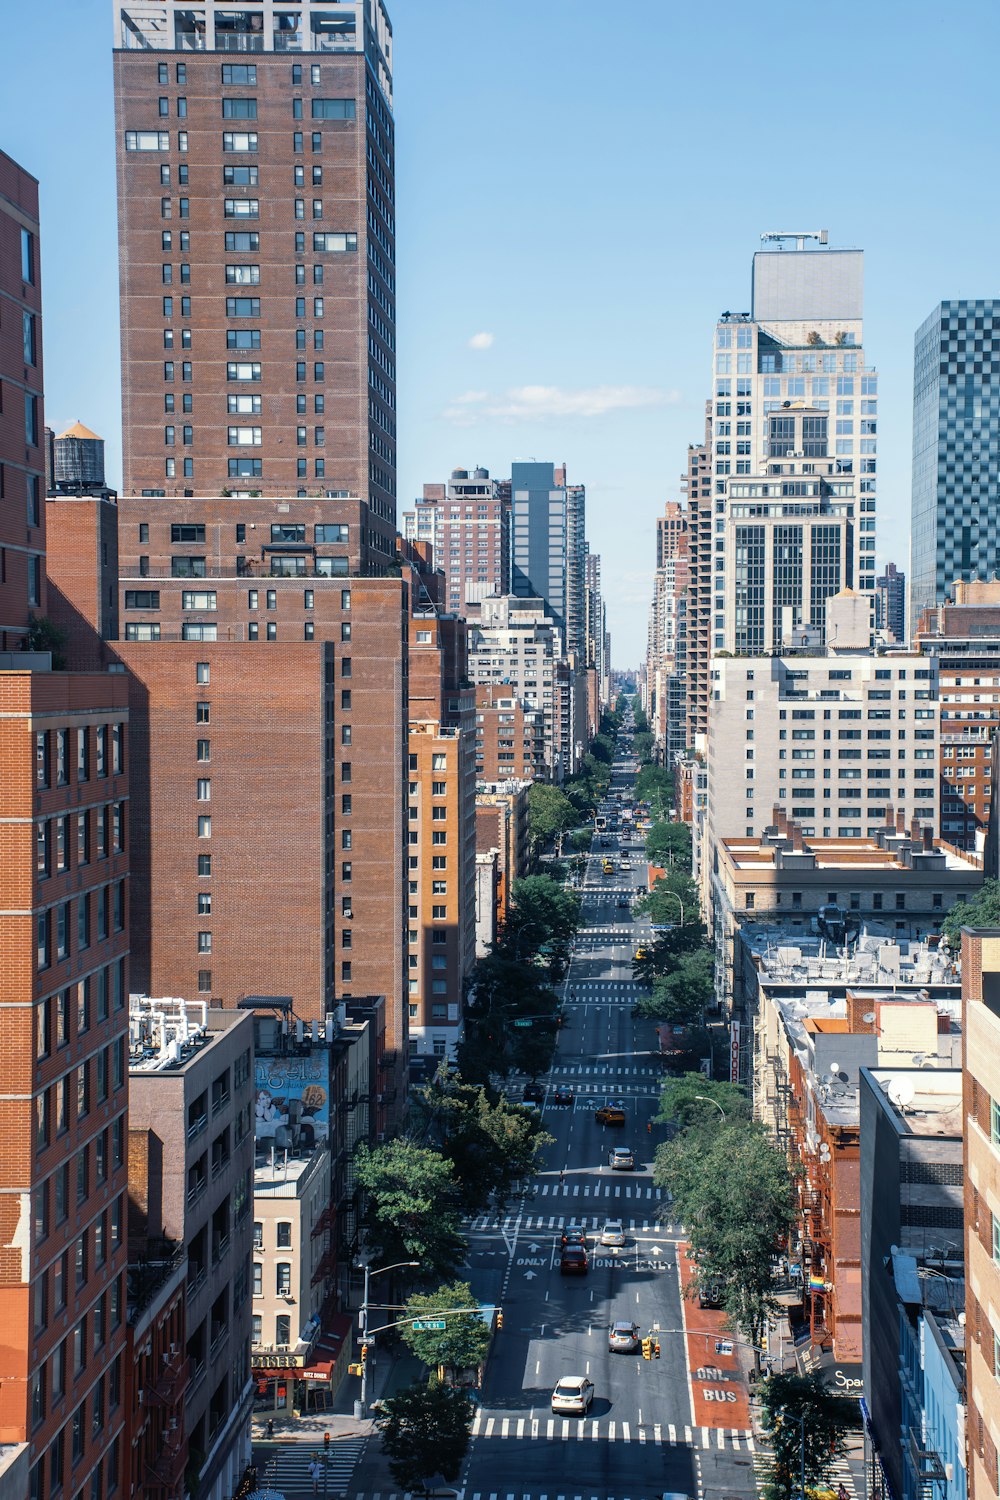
(543, 403)
(481, 341)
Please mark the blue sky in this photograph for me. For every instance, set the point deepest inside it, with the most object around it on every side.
(584, 185)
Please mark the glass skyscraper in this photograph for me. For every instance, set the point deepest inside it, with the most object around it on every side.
(955, 517)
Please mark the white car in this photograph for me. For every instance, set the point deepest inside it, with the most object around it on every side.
(613, 1232)
(573, 1394)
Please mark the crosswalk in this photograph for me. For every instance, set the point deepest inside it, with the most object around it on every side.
(518, 1494)
(542, 1223)
(608, 1430)
(605, 1070)
(287, 1467)
(839, 1473)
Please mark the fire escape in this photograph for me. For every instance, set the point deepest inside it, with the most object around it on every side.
(165, 1450)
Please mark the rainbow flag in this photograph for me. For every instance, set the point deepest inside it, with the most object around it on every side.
(816, 1283)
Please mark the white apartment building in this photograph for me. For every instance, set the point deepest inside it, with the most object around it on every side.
(516, 643)
(832, 740)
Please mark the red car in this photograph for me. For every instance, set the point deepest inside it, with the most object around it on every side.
(573, 1261)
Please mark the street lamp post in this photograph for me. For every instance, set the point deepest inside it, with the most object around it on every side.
(361, 1406)
(677, 898)
(706, 1100)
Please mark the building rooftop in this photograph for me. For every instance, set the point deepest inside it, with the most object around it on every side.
(783, 846)
(79, 431)
(873, 961)
(165, 1035)
(923, 1101)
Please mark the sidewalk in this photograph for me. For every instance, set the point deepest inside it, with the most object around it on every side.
(388, 1375)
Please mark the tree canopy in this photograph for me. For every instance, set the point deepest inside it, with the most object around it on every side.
(683, 995)
(655, 785)
(544, 916)
(689, 1102)
(805, 1423)
(732, 1189)
(412, 1209)
(425, 1432)
(462, 1343)
(501, 992)
(669, 845)
(982, 911)
(491, 1145)
(550, 813)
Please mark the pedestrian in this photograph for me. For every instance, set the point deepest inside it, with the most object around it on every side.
(270, 1428)
(315, 1474)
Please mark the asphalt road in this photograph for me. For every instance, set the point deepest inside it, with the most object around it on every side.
(638, 1439)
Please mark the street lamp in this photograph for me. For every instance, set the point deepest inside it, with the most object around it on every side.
(677, 898)
(360, 1405)
(704, 1099)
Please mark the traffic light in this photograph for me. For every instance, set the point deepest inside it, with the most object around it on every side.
(499, 1319)
(656, 1348)
(647, 1347)
(364, 1353)
(354, 1369)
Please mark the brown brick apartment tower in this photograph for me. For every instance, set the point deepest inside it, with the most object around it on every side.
(257, 252)
(63, 979)
(265, 644)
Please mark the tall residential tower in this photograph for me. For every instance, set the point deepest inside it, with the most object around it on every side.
(257, 231)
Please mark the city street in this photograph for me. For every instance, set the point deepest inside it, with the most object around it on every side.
(640, 1437)
(649, 1430)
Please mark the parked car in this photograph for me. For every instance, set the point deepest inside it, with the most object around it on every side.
(621, 1159)
(573, 1261)
(613, 1232)
(573, 1395)
(623, 1338)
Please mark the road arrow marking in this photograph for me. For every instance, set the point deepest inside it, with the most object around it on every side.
(530, 1275)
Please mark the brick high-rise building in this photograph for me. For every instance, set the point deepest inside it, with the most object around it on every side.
(510, 738)
(467, 523)
(64, 981)
(257, 231)
(271, 705)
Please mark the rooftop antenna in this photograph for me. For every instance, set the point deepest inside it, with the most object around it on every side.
(821, 236)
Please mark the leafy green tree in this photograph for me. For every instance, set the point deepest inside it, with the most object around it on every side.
(982, 911)
(669, 845)
(492, 1145)
(412, 1211)
(642, 746)
(805, 1423)
(425, 1432)
(655, 785)
(502, 991)
(673, 899)
(550, 813)
(44, 634)
(581, 839)
(462, 1343)
(683, 995)
(733, 1191)
(683, 1103)
(544, 916)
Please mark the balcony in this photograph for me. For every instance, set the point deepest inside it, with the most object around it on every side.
(219, 1336)
(238, 41)
(220, 1248)
(195, 1189)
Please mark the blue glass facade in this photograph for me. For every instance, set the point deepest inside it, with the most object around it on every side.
(955, 515)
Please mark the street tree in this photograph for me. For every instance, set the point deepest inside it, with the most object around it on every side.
(491, 1144)
(465, 1338)
(689, 1103)
(683, 995)
(805, 1423)
(733, 1190)
(669, 845)
(502, 993)
(672, 901)
(982, 911)
(550, 813)
(544, 915)
(668, 948)
(413, 1200)
(642, 746)
(655, 785)
(425, 1433)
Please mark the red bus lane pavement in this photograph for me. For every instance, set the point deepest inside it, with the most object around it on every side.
(719, 1393)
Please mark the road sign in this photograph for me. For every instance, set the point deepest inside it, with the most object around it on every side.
(522, 1023)
(723, 1346)
(428, 1325)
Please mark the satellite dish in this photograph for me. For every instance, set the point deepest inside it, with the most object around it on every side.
(918, 1059)
(844, 1077)
(885, 1084)
(827, 1078)
(869, 1018)
(834, 1067)
(901, 1092)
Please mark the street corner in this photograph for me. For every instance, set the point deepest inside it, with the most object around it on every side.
(720, 1394)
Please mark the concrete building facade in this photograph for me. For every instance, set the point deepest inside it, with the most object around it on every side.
(190, 1173)
(516, 645)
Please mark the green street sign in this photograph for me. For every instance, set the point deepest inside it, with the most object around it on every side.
(434, 1324)
(522, 1023)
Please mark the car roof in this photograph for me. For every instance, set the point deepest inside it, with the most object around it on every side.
(623, 1323)
(571, 1380)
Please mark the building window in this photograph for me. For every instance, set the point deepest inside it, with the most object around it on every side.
(284, 1229)
(284, 1278)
